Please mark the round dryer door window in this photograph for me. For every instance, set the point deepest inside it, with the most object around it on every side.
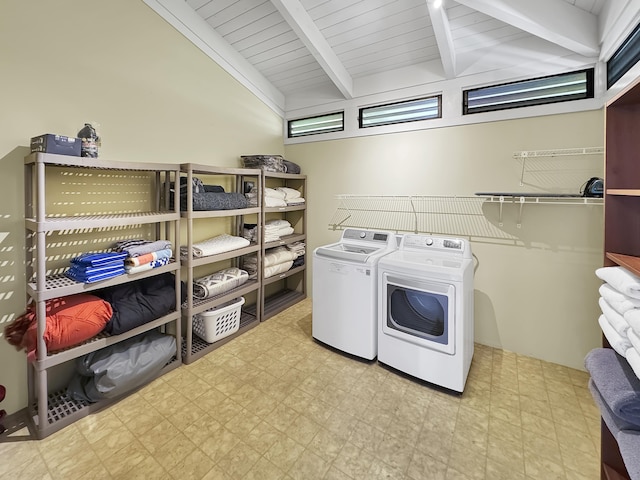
(419, 313)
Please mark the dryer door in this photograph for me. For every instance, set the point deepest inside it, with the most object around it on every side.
(419, 311)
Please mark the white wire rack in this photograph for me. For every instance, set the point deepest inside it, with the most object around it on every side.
(450, 215)
(561, 170)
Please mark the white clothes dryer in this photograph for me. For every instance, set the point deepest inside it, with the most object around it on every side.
(345, 290)
(425, 309)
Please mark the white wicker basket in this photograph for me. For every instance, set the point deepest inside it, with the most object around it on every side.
(218, 322)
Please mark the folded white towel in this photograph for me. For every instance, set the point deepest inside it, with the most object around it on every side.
(213, 246)
(616, 320)
(274, 202)
(634, 338)
(273, 193)
(633, 357)
(621, 279)
(277, 269)
(278, 222)
(289, 193)
(632, 317)
(285, 231)
(619, 343)
(275, 256)
(295, 201)
(620, 302)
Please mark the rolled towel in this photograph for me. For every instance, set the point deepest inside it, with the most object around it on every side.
(616, 382)
(620, 279)
(147, 266)
(618, 301)
(619, 343)
(616, 320)
(633, 319)
(148, 257)
(614, 423)
(633, 357)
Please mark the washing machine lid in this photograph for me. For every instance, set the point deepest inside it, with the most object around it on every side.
(360, 246)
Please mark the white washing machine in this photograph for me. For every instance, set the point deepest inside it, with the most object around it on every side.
(425, 309)
(344, 294)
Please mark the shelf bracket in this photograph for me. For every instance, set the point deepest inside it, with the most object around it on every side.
(501, 199)
(522, 202)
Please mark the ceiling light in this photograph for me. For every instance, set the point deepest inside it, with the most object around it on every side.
(437, 3)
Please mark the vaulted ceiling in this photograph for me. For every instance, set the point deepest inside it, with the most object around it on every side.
(300, 53)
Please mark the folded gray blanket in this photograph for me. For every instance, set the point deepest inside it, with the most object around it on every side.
(215, 201)
(629, 444)
(616, 383)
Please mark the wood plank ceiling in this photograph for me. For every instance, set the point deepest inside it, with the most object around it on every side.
(303, 47)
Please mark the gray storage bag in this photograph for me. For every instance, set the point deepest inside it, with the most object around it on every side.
(122, 367)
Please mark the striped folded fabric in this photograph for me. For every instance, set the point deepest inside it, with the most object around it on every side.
(80, 275)
(98, 259)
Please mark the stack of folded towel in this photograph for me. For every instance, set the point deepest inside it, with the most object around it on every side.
(276, 260)
(275, 229)
(92, 267)
(143, 255)
(291, 196)
(299, 248)
(274, 198)
(616, 391)
(620, 319)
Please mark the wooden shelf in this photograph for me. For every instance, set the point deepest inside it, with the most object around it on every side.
(629, 262)
(624, 191)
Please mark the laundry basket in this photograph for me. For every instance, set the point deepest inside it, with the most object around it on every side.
(218, 322)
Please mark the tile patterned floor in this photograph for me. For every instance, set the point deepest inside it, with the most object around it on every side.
(273, 404)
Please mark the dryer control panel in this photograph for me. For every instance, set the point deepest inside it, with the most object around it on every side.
(449, 245)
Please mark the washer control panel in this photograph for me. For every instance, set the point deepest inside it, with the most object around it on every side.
(366, 236)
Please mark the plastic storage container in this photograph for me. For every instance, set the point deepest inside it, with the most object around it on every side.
(218, 322)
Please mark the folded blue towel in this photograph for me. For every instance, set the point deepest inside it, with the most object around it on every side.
(80, 276)
(616, 383)
(98, 259)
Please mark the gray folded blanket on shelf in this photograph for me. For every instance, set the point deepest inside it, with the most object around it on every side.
(617, 384)
(629, 444)
(215, 201)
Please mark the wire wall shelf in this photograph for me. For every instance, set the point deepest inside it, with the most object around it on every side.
(449, 215)
(560, 170)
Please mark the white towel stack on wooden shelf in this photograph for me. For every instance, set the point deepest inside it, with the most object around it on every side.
(620, 319)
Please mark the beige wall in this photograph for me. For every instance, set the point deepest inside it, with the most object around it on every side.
(155, 95)
(158, 98)
(536, 294)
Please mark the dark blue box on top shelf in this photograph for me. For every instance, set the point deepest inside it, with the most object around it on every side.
(58, 144)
